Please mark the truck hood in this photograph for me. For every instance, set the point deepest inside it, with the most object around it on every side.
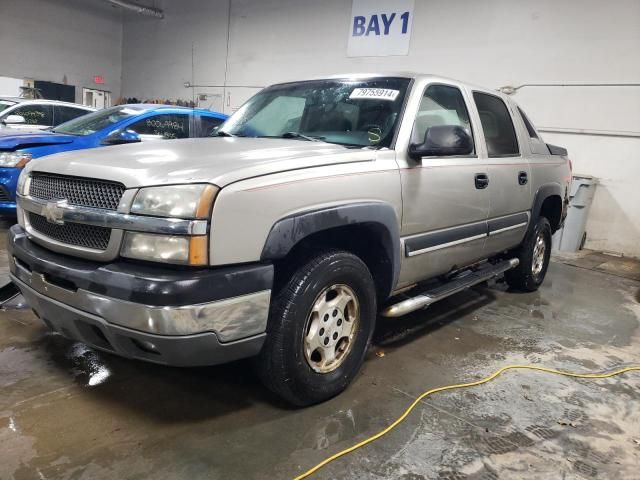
(16, 139)
(220, 161)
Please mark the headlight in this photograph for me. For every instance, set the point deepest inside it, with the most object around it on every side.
(180, 201)
(176, 201)
(185, 250)
(14, 159)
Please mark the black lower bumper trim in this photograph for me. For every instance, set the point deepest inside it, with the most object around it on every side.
(159, 285)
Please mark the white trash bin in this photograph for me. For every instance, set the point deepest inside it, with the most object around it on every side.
(572, 236)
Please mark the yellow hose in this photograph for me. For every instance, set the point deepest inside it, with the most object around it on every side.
(424, 395)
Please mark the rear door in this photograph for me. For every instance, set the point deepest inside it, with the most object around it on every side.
(445, 208)
(509, 172)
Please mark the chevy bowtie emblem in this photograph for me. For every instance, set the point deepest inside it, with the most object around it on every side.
(54, 210)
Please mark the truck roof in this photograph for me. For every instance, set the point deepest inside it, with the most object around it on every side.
(397, 74)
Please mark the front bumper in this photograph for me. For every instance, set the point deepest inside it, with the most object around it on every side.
(155, 313)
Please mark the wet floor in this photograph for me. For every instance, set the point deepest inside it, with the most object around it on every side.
(68, 412)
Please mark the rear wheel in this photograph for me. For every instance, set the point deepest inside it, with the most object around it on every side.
(320, 326)
(534, 254)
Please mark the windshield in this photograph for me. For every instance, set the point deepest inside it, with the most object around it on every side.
(91, 123)
(359, 113)
(4, 104)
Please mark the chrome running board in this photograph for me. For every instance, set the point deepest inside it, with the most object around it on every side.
(455, 285)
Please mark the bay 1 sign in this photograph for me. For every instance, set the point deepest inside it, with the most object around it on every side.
(380, 28)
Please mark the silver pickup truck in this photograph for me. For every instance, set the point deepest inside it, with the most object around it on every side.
(320, 205)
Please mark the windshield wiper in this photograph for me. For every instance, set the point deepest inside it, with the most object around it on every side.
(302, 136)
(222, 133)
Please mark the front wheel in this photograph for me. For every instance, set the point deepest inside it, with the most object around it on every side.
(534, 255)
(320, 326)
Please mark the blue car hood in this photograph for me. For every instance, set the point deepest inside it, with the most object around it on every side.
(32, 139)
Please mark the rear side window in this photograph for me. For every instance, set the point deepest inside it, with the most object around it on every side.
(167, 126)
(440, 105)
(36, 114)
(499, 132)
(64, 114)
(527, 124)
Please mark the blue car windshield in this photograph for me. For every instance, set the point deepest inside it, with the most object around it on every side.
(352, 112)
(91, 123)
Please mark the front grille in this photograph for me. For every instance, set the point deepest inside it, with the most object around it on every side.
(85, 192)
(4, 195)
(87, 236)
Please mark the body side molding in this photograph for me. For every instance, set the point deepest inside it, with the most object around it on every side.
(429, 241)
(509, 222)
(449, 237)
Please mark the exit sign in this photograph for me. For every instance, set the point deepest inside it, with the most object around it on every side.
(98, 79)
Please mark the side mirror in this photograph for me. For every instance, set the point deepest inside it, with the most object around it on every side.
(120, 137)
(14, 120)
(443, 140)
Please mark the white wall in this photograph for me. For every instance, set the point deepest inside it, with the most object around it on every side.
(11, 86)
(492, 43)
(66, 41)
(157, 54)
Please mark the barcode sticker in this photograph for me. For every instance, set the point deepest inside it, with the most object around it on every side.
(374, 93)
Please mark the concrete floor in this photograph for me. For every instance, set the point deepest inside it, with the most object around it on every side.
(67, 412)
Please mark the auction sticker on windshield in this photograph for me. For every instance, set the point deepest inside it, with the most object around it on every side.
(374, 93)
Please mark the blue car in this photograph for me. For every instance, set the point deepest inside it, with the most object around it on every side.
(111, 126)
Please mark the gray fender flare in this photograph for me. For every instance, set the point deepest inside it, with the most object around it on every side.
(288, 231)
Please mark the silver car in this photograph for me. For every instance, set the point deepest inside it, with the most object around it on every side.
(319, 205)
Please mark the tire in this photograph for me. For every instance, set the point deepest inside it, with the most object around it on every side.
(529, 274)
(290, 364)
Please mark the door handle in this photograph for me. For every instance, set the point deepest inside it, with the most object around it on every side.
(523, 178)
(482, 181)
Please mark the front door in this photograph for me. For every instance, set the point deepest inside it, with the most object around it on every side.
(445, 199)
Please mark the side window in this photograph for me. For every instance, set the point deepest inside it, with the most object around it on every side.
(166, 126)
(440, 105)
(208, 125)
(64, 114)
(36, 114)
(527, 124)
(499, 132)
